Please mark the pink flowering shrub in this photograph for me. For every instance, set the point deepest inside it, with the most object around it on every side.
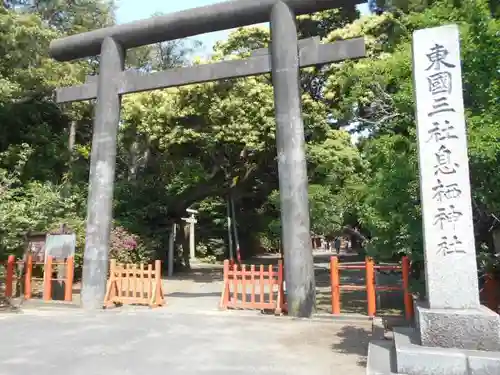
(126, 247)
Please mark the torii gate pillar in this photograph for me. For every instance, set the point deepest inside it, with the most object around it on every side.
(292, 169)
(102, 175)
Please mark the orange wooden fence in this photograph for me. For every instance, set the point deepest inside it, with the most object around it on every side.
(371, 288)
(253, 288)
(48, 277)
(134, 284)
(12, 277)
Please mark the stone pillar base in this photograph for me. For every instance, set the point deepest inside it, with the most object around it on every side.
(472, 329)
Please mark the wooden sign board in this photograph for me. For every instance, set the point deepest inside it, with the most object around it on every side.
(60, 246)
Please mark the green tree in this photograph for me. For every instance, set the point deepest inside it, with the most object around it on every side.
(375, 95)
(69, 16)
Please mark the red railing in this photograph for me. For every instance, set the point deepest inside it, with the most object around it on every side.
(249, 287)
(370, 287)
(11, 276)
(48, 278)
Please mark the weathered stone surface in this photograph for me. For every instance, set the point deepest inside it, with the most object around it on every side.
(449, 246)
(215, 17)
(102, 176)
(310, 54)
(474, 329)
(481, 363)
(292, 166)
(381, 358)
(414, 359)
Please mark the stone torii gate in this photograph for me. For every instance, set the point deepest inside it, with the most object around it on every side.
(283, 59)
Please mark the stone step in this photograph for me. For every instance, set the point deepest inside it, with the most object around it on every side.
(381, 358)
(404, 337)
(414, 359)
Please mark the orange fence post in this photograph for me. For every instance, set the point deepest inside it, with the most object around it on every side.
(335, 285)
(270, 279)
(121, 274)
(27, 277)
(370, 287)
(280, 285)
(158, 301)
(68, 290)
(261, 284)
(235, 274)
(244, 283)
(112, 288)
(9, 277)
(47, 279)
(226, 291)
(252, 281)
(490, 290)
(408, 301)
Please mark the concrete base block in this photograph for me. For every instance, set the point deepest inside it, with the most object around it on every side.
(473, 329)
(381, 359)
(414, 359)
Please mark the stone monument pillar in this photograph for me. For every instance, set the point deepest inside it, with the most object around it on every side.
(452, 316)
(192, 221)
(454, 333)
(171, 250)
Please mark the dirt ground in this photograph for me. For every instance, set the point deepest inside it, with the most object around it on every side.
(191, 334)
(138, 340)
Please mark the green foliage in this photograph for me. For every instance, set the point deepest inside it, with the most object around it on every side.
(390, 211)
(326, 212)
(35, 206)
(70, 17)
(34, 191)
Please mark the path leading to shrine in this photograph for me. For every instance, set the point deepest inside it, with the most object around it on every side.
(195, 291)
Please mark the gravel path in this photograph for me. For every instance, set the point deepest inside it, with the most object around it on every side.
(138, 340)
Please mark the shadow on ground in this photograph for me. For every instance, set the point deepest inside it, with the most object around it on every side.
(353, 340)
(192, 295)
(205, 273)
